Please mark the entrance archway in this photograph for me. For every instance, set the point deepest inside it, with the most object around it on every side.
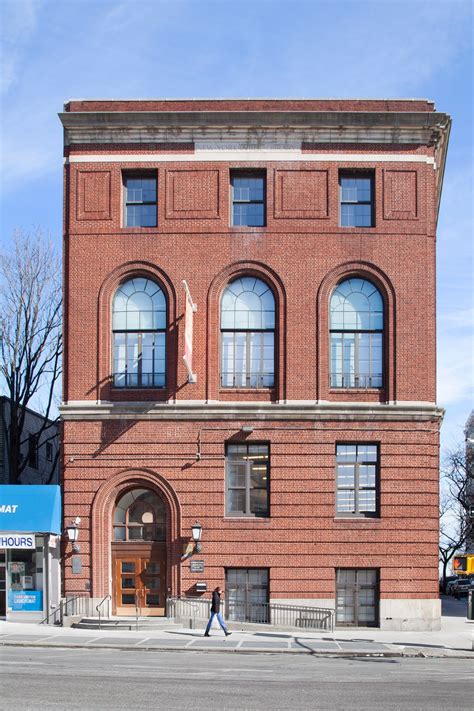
(139, 554)
(143, 529)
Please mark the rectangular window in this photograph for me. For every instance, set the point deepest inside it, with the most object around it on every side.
(247, 479)
(248, 199)
(357, 597)
(357, 475)
(33, 451)
(247, 594)
(139, 360)
(247, 359)
(140, 200)
(356, 197)
(356, 360)
(49, 451)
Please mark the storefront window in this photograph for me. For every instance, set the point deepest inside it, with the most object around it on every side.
(25, 579)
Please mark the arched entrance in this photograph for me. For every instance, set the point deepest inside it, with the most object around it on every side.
(139, 560)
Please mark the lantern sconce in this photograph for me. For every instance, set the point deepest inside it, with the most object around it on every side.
(72, 532)
(195, 546)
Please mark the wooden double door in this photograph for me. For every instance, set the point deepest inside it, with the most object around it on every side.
(139, 580)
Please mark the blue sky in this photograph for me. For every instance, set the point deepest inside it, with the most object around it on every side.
(54, 50)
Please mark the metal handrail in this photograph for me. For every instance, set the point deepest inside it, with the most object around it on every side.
(97, 607)
(63, 604)
(271, 613)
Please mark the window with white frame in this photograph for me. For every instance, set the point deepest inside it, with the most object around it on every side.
(356, 332)
(140, 200)
(248, 198)
(247, 334)
(357, 475)
(139, 318)
(247, 479)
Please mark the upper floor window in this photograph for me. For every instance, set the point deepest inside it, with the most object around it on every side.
(140, 200)
(247, 334)
(356, 325)
(248, 198)
(357, 479)
(247, 479)
(49, 451)
(140, 515)
(357, 204)
(139, 333)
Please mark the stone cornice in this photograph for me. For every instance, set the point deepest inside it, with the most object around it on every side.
(424, 128)
(254, 411)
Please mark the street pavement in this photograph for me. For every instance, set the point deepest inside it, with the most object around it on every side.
(92, 679)
(455, 639)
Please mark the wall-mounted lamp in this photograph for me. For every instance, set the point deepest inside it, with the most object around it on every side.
(196, 530)
(195, 546)
(73, 534)
(248, 429)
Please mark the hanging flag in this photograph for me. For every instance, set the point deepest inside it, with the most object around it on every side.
(191, 308)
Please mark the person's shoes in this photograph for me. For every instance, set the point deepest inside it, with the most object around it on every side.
(228, 633)
(206, 634)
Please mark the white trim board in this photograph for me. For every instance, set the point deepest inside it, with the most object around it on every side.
(250, 156)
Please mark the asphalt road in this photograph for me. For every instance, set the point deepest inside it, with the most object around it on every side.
(98, 680)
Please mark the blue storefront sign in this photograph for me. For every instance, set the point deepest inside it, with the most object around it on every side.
(25, 600)
(30, 509)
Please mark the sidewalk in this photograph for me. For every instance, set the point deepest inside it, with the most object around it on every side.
(455, 639)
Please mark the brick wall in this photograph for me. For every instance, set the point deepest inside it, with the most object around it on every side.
(302, 253)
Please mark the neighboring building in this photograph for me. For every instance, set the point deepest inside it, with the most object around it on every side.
(30, 520)
(39, 447)
(469, 435)
(301, 429)
(30, 574)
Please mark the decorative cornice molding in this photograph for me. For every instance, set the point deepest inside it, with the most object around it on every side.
(253, 128)
(255, 411)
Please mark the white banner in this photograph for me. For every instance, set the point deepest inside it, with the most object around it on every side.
(191, 308)
(17, 540)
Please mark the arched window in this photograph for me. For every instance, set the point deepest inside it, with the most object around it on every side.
(139, 331)
(140, 515)
(356, 325)
(247, 334)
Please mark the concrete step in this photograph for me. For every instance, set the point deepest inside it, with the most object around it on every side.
(125, 623)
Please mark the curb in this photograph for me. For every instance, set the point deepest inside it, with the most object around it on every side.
(344, 654)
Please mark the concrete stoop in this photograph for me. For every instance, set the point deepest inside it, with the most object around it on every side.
(124, 623)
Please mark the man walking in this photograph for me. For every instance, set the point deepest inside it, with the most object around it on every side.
(216, 612)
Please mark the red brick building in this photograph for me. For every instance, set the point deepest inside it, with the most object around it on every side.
(302, 430)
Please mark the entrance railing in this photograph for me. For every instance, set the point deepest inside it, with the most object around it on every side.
(268, 613)
(75, 605)
(99, 608)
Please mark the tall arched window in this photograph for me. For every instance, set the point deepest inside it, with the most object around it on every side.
(247, 334)
(140, 515)
(139, 332)
(356, 325)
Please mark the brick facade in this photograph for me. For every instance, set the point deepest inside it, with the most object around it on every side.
(172, 440)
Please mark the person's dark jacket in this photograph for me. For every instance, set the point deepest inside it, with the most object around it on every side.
(216, 602)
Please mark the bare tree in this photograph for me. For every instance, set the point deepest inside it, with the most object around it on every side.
(456, 525)
(31, 345)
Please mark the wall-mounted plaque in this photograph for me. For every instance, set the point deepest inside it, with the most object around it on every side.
(76, 565)
(196, 566)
